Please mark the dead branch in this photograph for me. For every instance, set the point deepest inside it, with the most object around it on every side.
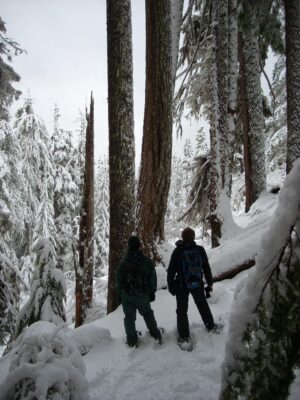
(232, 272)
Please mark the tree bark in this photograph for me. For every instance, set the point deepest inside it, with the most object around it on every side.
(223, 116)
(255, 110)
(176, 11)
(121, 137)
(292, 29)
(249, 193)
(85, 271)
(232, 272)
(155, 171)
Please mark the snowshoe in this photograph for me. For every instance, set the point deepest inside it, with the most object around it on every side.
(185, 344)
(135, 344)
(160, 339)
(217, 328)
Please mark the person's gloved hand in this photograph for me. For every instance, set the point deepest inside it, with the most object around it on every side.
(208, 289)
(152, 297)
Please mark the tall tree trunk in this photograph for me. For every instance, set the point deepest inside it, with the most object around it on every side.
(176, 20)
(84, 286)
(155, 171)
(223, 117)
(249, 193)
(232, 87)
(121, 136)
(215, 169)
(255, 110)
(292, 29)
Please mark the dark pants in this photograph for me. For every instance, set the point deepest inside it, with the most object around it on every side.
(131, 304)
(182, 298)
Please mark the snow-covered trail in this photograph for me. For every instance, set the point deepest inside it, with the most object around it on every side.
(165, 372)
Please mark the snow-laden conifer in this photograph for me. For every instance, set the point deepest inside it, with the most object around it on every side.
(276, 128)
(65, 193)
(263, 346)
(47, 293)
(44, 223)
(36, 164)
(8, 49)
(9, 298)
(45, 364)
(101, 234)
(11, 193)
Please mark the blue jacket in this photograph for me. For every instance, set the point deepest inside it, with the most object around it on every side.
(175, 280)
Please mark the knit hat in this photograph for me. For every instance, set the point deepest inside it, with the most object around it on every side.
(134, 243)
(188, 235)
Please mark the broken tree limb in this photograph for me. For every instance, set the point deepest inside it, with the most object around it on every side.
(234, 271)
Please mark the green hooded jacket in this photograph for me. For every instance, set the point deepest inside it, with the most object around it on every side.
(148, 269)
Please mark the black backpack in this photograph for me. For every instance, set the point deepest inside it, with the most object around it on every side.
(191, 267)
(134, 280)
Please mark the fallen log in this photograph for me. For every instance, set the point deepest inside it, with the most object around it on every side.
(234, 271)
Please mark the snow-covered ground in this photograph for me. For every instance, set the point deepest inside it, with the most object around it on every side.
(162, 372)
(154, 372)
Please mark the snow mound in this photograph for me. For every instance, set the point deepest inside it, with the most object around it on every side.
(45, 363)
(86, 336)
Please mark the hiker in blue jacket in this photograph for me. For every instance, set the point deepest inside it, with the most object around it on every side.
(187, 265)
(136, 283)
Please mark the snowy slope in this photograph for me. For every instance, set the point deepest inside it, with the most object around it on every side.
(165, 372)
(115, 372)
(160, 372)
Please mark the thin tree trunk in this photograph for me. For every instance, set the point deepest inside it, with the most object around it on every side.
(176, 20)
(223, 123)
(121, 137)
(85, 271)
(249, 194)
(232, 88)
(292, 28)
(215, 170)
(255, 109)
(89, 194)
(155, 172)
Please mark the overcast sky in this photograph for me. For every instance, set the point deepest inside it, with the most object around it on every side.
(66, 58)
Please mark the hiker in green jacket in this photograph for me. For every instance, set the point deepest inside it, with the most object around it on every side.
(136, 286)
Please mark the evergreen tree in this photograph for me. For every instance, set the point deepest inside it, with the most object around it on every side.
(36, 164)
(8, 48)
(9, 298)
(155, 170)
(44, 224)
(47, 292)
(121, 137)
(176, 198)
(276, 148)
(65, 193)
(102, 218)
(11, 189)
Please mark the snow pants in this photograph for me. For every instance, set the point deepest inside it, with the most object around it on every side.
(182, 298)
(140, 303)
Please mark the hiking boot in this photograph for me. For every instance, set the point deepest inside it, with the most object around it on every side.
(185, 344)
(132, 341)
(217, 328)
(159, 337)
